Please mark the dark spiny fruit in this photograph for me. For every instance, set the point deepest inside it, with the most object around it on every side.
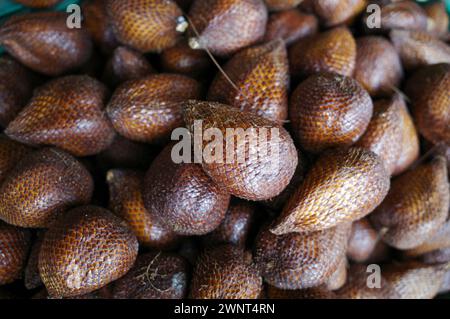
(438, 20)
(339, 277)
(148, 109)
(42, 186)
(245, 169)
(183, 197)
(378, 67)
(415, 207)
(67, 112)
(226, 26)
(362, 241)
(225, 272)
(329, 110)
(14, 245)
(290, 25)
(298, 261)
(43, 42)
(11, 152)
(320, 292)
(429, 93)
(32, 278)
(276, 5)
(406, 15)
(342, 186)
(146, 25)
(330, 51)
(125, 193)
(85, 249)
(260, 77)
(155, 275)
(439, 240)
(38, 3)
(333, 12)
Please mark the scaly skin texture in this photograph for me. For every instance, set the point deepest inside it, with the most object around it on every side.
(406, 15)
(416, 206)
(299, 261)
(38, 3)
(225, 272)
(42, 186)
(226, 26)
(148, 109)
(362, 241)
(145, 25)
(31, 277)
(155, 275)
(439, 240)
(438, 19)
(261, 77)
(14, 245)
(85, 250)
(330, 51)
(67, 112)
(11, 152)
(333, 12)
(183, 197)
(125, 200)
(329, 110)
(261, 163)
(43, 42)
(342, 186)
(276, 5)
(339, 277)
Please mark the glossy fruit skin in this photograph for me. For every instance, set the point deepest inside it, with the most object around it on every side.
(85, 250)
(225, 272)
(362, 241)
(67, 112)
(145, 25)
(148, 109)
(226, 26)
(337, 12)
(125, 200)
(183, 197)
(438, 20)
(42, 42)
(277, 5)
(299, 261)
(32, 278)
(347, 105)
(252, 176)
(378, 67)
(342, 186)
(439, 241)
(260, 76)
(38, 3)
(415, 207)
(42, 186)
(330, 51)
(339, 277)
(14, 245)
(155, 275)
(11, 152)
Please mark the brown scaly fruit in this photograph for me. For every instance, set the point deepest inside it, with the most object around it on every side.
(84, 250)
(249, 171)
(333, 12)
(42, 186)
(439, 240)
(330, 51)
(148, 109)
(43, 42)
(11, 152)
(329, 110)
(428, 90)
(32, 278)
(362, 241)
(438, 19)
(225, 272)
(415, 207)
(38, 3)
(260, 77)
(125, 194)
(299, 261)
(339, 277)
(14, 245)
(342, 186)
(155, 275)
(226, 26)
(277, 5)
(320, 292)
(183, 197)
(438, 256)
(146, 25)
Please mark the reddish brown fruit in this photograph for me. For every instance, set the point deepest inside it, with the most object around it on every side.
(226, 26)
(339, 277)
(38, 3)
(333, 12)
(342, 186)
(42, 186)
(347, 106)
(260, 77)
(145, 25)
(309, 293)
(439, 240)
(125, 194)
(438, 256)
(298, 261)
(11, 153)
(225, 272)
(378, 67)
(44, 43)
(276, 5)
(155, 275)
(362, 241)
(416, 206)
(32, 279)
(148, 109)
(438, 19)
(67, 112)
(85, 250)
(290, 25)
(14, 245)
(183, 197)
(248, 171)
